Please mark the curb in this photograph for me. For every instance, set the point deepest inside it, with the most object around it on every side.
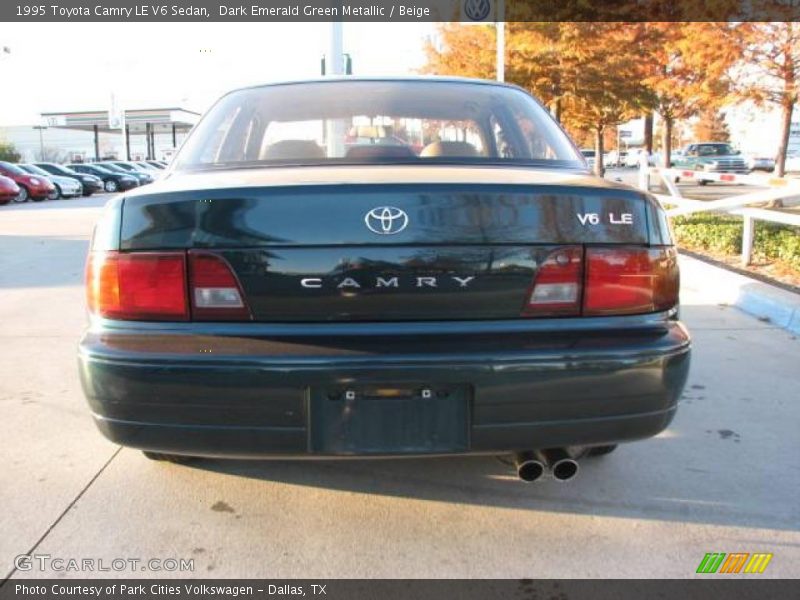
(764, 301)
(764, 304)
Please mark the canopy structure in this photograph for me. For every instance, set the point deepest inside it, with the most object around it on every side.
(145, 121)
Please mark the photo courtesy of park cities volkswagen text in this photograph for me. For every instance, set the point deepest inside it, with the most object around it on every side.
(399, 299)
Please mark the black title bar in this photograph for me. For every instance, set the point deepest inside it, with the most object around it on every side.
(475, 11)
(396, 589)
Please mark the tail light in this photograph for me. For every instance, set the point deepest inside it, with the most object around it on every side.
(616, 280)
(556, 290)
(158, 286)
(623, 281)
(143, 286)
(215, 291)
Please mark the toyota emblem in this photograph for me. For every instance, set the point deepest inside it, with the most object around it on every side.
(386, 220)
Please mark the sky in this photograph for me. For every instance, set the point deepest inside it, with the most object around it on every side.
(59, 67)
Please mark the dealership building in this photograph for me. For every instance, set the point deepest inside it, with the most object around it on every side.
(151, 133)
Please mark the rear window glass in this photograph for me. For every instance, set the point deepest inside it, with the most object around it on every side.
(376, 121)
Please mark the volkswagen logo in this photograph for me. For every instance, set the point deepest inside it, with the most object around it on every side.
(386, 220)
(477, 10)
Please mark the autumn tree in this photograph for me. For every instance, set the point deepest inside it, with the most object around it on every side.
(466, 51)
(770, 73)
(686, 68)
(711, 127)
(537, 59)
(677, 134)
(595, 75)
(604, 88)
(648, 131)
(583, 71)
(534, 57)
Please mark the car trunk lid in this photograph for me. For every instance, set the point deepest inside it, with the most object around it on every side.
(375, 252)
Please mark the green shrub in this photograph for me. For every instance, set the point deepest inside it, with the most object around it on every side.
(8, 152)
(723, 233)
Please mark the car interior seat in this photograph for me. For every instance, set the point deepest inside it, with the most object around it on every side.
(379, 151)
(449, 149)
(291, 149)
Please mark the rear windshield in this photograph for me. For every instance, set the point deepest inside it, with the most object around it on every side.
(377, 122)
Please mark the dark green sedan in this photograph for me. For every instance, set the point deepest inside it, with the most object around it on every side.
(383, 267)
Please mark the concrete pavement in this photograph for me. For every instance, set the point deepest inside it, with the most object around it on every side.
(724, 477)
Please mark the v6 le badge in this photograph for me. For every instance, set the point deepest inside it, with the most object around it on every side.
(613, 219)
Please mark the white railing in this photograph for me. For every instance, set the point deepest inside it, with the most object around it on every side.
(774, 188)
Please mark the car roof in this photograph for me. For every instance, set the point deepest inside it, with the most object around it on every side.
(437, 79)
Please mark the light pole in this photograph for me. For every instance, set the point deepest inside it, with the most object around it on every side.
(335, 66)
(41, 128)
(500, 26)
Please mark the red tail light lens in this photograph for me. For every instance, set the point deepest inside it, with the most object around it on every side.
(615, 280)
(556, 289)
(630, 280)
(152, 286)
(215, 291)
(143, 286)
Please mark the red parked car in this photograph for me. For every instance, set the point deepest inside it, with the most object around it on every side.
(8, 190)
(30, 186)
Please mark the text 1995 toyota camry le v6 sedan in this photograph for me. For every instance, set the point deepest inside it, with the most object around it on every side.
(346, 268)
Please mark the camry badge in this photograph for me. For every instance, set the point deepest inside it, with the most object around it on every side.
(386, 220)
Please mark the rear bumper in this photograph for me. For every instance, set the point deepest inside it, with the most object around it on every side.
(212, 390)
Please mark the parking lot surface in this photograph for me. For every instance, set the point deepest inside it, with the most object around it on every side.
(725, 476)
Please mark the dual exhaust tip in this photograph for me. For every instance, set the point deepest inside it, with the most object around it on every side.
(532, 466)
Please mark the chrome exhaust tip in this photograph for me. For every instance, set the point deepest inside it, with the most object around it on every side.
(566, 469)
(529, 469)
(559, 462)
